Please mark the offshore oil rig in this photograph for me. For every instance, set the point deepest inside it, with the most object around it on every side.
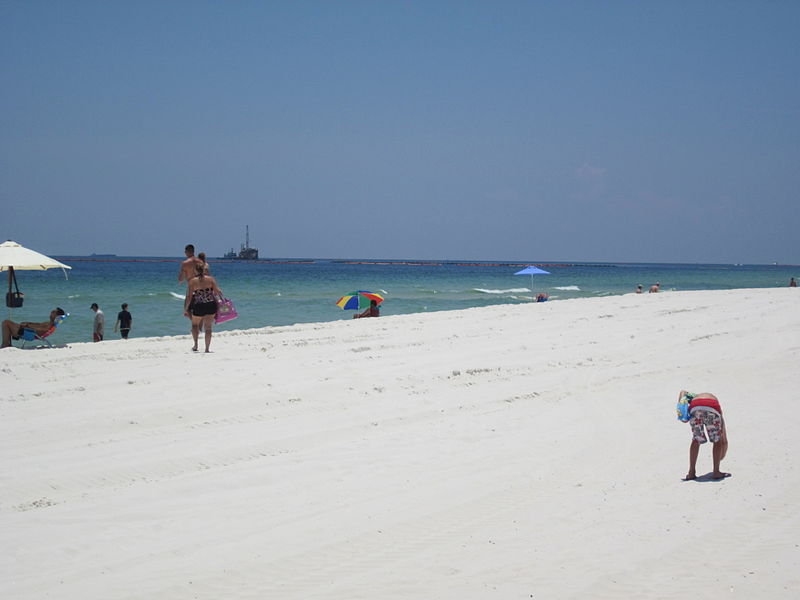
(245, 251)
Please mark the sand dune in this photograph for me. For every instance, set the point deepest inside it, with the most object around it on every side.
(503, 452)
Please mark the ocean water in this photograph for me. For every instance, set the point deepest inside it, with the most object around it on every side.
(286, 292)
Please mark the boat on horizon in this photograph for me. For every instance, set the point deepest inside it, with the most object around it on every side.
(245, 251)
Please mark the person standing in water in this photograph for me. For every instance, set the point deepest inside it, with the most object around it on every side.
(99, 323)
(124, 322)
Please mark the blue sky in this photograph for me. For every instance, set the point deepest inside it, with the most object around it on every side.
(529, 131)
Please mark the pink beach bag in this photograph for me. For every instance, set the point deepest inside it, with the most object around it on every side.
(226, 311)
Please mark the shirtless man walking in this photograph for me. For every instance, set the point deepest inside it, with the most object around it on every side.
(188, 266)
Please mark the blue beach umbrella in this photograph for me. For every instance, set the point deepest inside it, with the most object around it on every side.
(532, 271)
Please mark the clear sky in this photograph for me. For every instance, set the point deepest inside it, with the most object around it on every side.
(488, 130)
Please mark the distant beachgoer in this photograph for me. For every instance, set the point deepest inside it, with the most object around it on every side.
(372, 311)
(99, 323)
(124, 322)
(542, 297)
(639, 289)
(706, 417)
(13, 331)
(654, 288)
(200, 304)
(187, 270)
(792, 282)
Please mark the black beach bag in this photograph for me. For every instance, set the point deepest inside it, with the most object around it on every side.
(14, 299)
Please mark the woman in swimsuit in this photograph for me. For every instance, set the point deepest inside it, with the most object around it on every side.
(201, 303)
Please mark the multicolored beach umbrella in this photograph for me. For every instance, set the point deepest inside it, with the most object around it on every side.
(358, 300)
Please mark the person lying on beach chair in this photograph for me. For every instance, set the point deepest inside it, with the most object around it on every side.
(14, 331)
(30, 335)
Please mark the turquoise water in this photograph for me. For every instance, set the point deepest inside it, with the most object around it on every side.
(284, 293)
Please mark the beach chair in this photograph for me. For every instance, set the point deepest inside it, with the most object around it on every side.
(29, 335)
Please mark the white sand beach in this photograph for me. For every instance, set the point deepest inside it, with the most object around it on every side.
(523, 451)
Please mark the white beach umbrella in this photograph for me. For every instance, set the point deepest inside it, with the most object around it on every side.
(14, 257)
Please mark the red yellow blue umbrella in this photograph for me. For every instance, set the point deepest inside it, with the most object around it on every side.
(358, 300)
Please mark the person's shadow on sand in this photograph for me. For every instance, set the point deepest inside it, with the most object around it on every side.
(708, 477)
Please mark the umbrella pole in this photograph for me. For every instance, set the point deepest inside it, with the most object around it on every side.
(10, 277)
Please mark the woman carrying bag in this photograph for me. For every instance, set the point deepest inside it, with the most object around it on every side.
(201, 304)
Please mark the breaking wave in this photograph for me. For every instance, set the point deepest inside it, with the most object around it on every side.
(508, 291)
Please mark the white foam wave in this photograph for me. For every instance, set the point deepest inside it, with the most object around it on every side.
(178, 296)
(509, 291)
(569, 288)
